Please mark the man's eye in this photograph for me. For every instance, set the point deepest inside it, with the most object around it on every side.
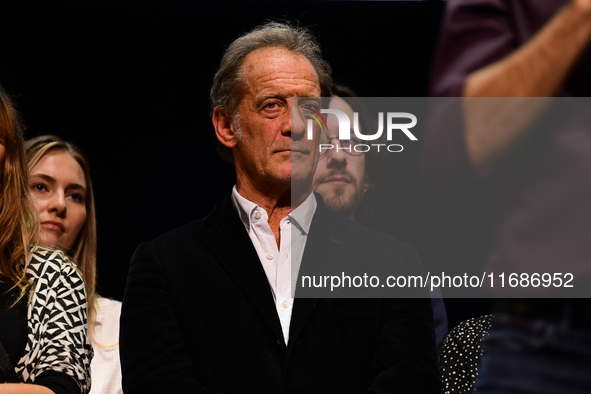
(272, 106)
(310, 107)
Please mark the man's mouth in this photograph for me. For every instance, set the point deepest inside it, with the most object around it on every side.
(293, 150)
(338, 180)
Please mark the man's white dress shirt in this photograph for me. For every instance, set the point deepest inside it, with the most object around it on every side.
(283, 263)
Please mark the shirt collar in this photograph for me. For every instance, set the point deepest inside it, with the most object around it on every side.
(301, 216)
(244, 207)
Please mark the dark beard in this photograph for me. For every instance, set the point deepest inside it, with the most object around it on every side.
(337, 200)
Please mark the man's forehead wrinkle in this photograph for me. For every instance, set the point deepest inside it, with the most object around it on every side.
(269, 86)
(286, 78)
(255, 61)
(305, 71)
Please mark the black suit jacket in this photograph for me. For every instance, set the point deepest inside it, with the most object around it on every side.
(198, 316)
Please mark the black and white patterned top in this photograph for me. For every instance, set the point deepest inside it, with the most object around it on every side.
(56, 318)
(460, 354)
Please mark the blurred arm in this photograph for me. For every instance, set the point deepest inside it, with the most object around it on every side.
(539, 68)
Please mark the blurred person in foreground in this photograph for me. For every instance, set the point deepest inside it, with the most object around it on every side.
(209, 307)
(44, 346)
(62, 192)
(540, 178)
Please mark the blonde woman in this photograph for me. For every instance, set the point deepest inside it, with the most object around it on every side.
(44, 347)
(60, 184)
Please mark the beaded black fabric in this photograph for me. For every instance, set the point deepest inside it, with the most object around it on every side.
(460, 355)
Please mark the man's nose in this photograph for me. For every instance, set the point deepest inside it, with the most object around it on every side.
(297, 121)
(336, 156)
(57, 204)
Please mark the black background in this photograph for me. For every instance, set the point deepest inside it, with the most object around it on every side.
(128, 82)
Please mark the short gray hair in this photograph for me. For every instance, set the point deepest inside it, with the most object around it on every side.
(228, 83)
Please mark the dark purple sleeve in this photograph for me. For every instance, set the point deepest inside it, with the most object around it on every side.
(475, 33)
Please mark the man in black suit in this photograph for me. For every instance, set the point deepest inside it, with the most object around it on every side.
(208, 307)
(350, 182)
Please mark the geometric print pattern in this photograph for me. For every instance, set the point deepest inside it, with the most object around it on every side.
(56, 318)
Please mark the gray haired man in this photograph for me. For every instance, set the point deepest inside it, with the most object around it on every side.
(208, 307)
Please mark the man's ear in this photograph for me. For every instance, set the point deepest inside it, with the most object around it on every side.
(224, 129)
(366, 182)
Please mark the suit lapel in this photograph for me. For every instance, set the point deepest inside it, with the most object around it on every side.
(226, 237)
(326, 247)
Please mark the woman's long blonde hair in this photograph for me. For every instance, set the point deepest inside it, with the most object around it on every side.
(84, 250)
(18, 224)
